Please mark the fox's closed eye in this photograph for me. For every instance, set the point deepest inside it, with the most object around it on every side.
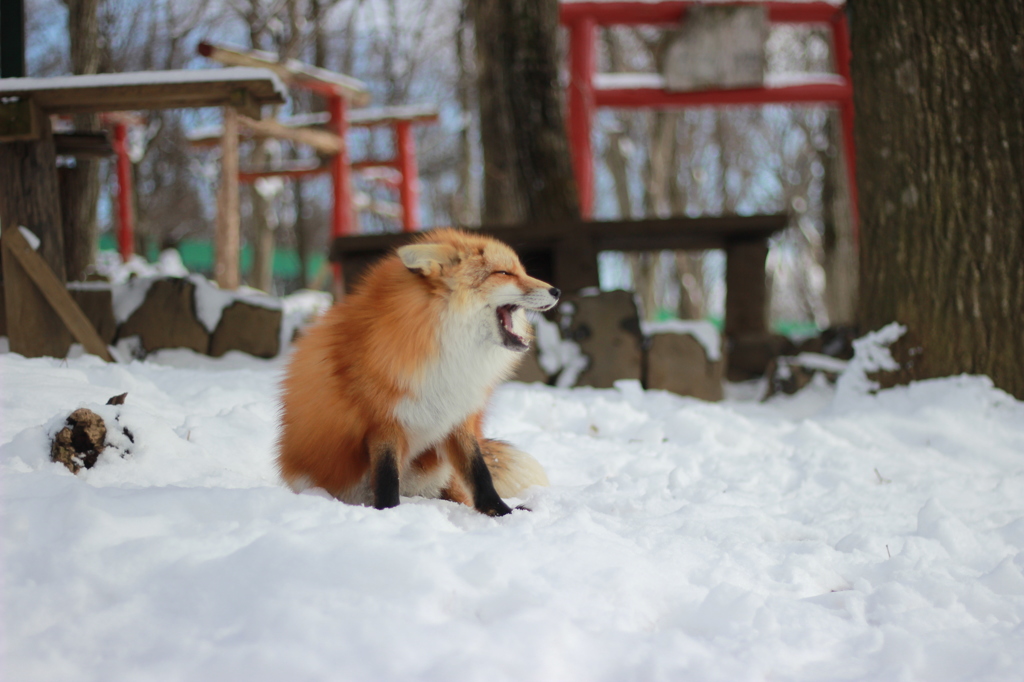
(502, 272)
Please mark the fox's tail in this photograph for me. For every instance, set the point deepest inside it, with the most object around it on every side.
(512, 471)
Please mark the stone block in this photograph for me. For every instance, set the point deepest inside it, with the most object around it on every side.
(249, 328)
(750, 355)
(679, 363)
(607, 328)
(167, 318)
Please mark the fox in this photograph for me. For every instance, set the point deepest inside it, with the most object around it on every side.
(386, 394)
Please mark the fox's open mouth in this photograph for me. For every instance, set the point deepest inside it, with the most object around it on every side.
(509, 338)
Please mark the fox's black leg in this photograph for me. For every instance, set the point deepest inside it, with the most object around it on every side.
(385, 478)
(485, 497)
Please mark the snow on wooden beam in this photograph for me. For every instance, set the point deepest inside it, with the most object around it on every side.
(291, 71)
(653, 13)
(145, 90)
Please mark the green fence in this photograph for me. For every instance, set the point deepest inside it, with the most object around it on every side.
(197, 255)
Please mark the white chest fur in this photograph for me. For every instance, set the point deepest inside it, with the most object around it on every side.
(455, 384)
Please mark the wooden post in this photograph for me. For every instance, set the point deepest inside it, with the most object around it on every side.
(746, 293)
(228, 239)
(341, 218)
(126, 221)
(409, 190)
(582, 62)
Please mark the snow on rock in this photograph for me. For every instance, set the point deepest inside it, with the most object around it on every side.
(211, 300)
(703, 331)
(880, 537)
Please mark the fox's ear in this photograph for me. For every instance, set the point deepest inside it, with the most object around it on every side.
(428, 259)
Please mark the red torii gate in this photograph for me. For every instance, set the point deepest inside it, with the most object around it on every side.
(584, 96)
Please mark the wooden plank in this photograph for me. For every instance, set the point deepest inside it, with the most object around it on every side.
(83, 144)
(33, 328)
(146, 90)
(291, 71)
(677, 233)
(228, 239)
(322, 141)
(55, 293)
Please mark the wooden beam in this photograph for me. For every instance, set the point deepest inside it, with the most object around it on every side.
(322, 141)
(291, 71)
(146, 90)
(286, 169)
(83, 144)
(53, 291)
(228, 239)
(19, 119)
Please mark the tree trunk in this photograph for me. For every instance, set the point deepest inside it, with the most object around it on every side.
(527, 171)
(28, 197)
(29, 194)
(81, 190)
(940, 168)
(838, 245)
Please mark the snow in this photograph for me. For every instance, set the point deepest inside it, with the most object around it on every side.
(557, 355)
(30, 237)
(179, 76)
(129, 282)
(656, 81)
(876, 537)
(706, 333)
(821, 362)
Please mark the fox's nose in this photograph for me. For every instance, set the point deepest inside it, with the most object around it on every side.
(554, 291)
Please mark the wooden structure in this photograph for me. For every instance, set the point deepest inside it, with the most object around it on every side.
(310, 129)
(588, 90)
(28, 170)
(20, 258)
(341, 92)
(566, 254)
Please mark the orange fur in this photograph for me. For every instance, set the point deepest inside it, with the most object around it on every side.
(401, 370)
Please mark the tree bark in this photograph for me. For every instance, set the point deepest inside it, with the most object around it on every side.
(940, 167)
(81, 186)
(29, 194)
(838, 242)
(527, 171)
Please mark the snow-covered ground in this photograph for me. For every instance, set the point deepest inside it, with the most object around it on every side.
(817, 537)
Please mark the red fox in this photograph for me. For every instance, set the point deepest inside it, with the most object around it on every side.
(385, 395)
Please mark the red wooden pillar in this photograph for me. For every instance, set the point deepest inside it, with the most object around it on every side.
(126, 219)
(841, 47)
(582, 64)
(342, 218)
(409, 189)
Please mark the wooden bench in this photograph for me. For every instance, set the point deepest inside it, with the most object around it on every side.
(566, 254)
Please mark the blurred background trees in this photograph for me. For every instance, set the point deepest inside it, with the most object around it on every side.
(693, 162)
